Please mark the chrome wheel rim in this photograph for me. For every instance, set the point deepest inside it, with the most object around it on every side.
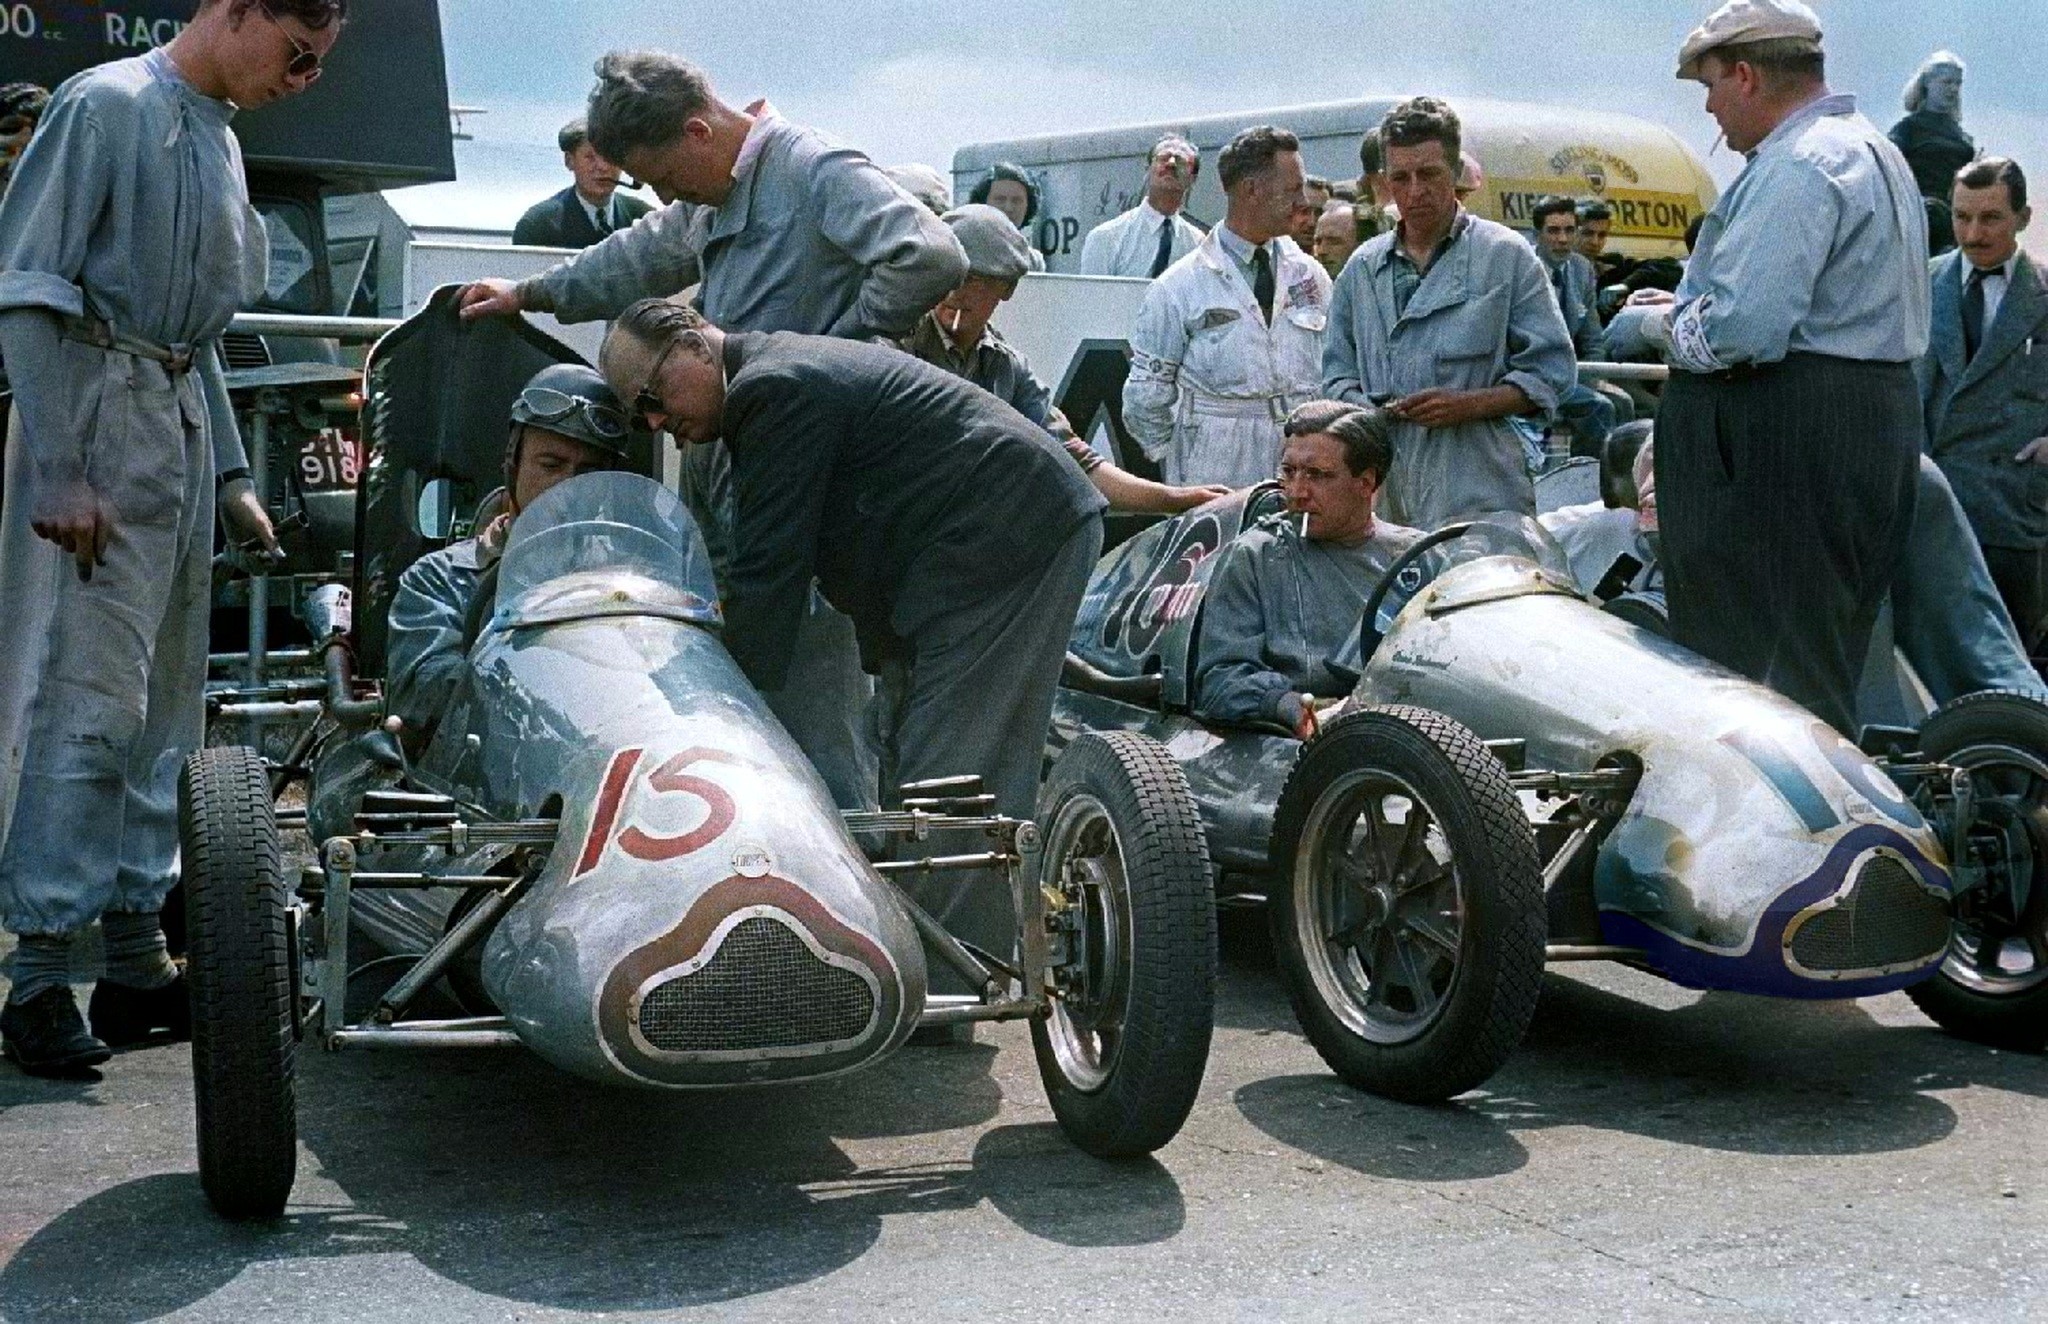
(1380, 913)
(1998, 945)
(1091, 935)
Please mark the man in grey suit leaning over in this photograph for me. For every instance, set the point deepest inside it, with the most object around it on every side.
(1984, 381)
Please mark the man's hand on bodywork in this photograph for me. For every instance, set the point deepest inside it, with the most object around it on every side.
(2034, 452)
(78, 520)
(248, 523)
(490, 297)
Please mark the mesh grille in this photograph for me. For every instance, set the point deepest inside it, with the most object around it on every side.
(242, 350)
(1888, 918)
(763, 988)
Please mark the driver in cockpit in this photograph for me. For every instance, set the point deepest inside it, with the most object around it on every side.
(1291, 588)
(565, 422)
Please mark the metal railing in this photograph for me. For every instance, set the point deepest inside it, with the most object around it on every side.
(1626, 372)
(354, 329)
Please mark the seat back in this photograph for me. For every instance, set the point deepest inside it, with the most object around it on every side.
(437, 403)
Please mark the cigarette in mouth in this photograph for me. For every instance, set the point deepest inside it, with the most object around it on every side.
(956, 321)
(1304, 526)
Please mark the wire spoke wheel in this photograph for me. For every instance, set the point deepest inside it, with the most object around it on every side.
(1408, 918)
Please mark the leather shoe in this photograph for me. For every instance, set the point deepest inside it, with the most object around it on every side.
(123, 1017)
(46, 1036)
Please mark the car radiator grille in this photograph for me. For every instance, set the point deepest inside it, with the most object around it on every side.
(764, 988)
(242, 350)
(1888, 918)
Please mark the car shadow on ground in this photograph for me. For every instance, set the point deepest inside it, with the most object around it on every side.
(513, 1180)
(1726, 1072)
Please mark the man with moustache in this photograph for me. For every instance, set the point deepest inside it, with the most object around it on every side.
(1153, 235)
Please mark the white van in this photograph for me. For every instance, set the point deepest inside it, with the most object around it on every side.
(1647, 174)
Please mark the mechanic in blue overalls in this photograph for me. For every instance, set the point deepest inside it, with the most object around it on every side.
(565, 422)
(127, 242)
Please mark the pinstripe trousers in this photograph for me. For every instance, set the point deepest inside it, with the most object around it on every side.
(1785, 496)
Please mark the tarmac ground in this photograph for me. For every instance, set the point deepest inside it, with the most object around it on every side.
(1649, 1154)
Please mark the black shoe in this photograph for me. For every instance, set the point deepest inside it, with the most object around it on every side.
(124, 1017)
(46, 1036)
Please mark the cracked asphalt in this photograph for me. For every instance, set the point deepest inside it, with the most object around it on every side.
(1650, 1154)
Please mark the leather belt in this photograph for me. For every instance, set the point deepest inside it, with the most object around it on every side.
(177, 359)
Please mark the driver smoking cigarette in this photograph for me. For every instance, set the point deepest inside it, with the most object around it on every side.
(1304, 526)
(956, 321)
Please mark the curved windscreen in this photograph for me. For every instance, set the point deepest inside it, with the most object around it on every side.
(605, 544)
(1500, 534)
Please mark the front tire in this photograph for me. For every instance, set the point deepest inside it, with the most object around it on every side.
(1124, 1044)
(1992, 987)
(1408, 915)
(244, 1057)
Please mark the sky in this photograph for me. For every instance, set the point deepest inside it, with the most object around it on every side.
(915, 79)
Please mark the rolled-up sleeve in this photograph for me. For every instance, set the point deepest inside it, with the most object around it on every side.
(911, 257)
(1236, 684)
(1757, 284)
(1158, 344)
(1343, 373)
(653, 258)
(1541, 361)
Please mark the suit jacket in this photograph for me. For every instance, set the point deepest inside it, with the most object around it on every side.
(561, 222)
(906, 491)
(1979, 415)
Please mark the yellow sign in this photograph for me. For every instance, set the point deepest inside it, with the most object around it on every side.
(1638, 213)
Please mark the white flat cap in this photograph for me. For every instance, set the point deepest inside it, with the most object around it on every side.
(1746, 21)
(995, 248)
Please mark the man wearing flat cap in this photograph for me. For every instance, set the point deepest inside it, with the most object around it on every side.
(1789, 437)
(957, 336)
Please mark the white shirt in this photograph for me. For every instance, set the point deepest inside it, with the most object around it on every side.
(1126, 245)
(1996, 282)
(603, 219)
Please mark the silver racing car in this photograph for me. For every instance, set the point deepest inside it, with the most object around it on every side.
(609, 852)
(1519, 777)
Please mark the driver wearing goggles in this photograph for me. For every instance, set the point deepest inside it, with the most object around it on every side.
(565, 422)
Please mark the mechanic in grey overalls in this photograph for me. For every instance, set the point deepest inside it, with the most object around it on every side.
(1289, 591)
(781, 229)
(126, 244)
(565, 422)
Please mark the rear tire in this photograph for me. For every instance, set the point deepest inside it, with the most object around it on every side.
(243, 986)
(1997, 994)
(1123, 1046)
(1408, 913)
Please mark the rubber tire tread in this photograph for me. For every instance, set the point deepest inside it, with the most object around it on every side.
(1171, 1010)
(1500, 969)
(244, 1050)
(2020, 1021)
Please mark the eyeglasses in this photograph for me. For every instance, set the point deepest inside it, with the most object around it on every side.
(305, 62)
(647, 403)
(544, 404)
(1314, 477)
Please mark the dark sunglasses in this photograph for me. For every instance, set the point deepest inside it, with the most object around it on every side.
(647, 403)
(544, 404)
(305, 61)
(10, 125)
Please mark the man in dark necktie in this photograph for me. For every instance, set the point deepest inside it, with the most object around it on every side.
(588, 209)
(1155, 234)
(1984, 382)
(1231, 336)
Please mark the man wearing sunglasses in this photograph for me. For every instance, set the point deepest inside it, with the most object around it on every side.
(566, 422)
(953, 530)
(781, 229)
(126, 244)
